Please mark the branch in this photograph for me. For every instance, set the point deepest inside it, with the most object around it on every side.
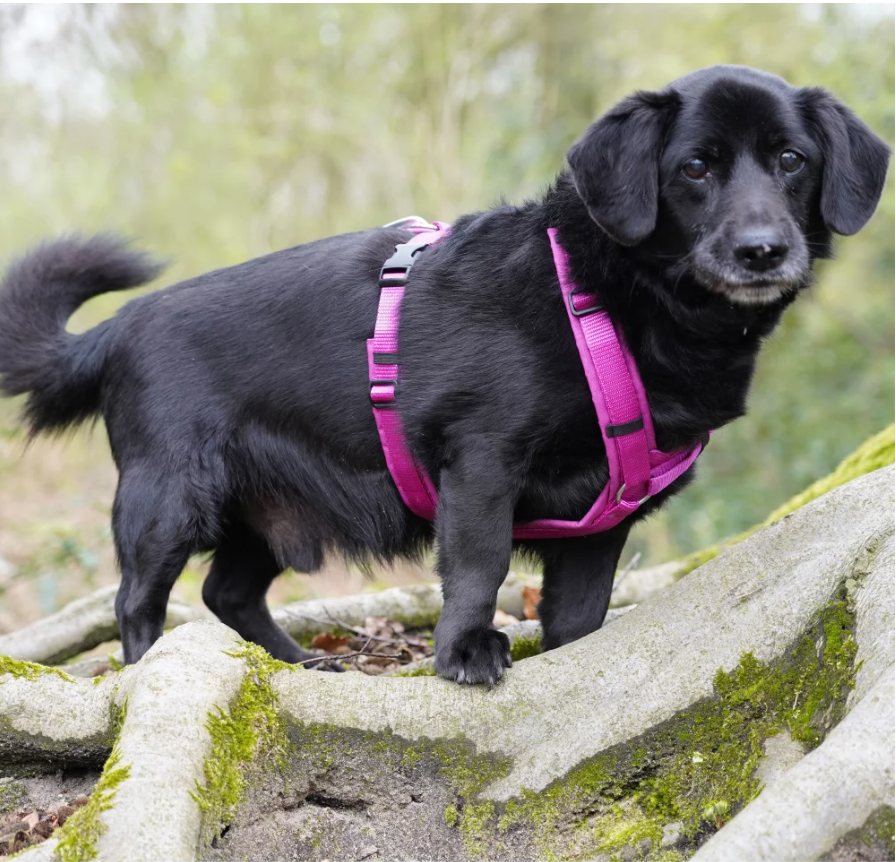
(80, 626)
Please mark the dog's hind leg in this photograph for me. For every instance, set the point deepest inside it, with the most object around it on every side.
(241, 572)
(155, 532)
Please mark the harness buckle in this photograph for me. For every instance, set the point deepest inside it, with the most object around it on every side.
(395, 270)
(411, 223)
(621, 491)
(383, 405)
(581, 312)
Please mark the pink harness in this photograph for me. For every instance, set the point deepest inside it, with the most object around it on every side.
(638, 470)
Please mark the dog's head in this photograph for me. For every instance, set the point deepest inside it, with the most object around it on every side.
(732, 176)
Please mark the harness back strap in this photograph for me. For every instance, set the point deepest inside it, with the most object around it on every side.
(414, 484)
(638, 470)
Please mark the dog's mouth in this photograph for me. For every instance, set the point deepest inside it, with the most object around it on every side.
(714, 267)
(754, 291)
(745, 288)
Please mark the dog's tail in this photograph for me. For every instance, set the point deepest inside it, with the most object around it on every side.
(61, 372)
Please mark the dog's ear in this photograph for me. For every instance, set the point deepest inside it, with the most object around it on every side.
(615, 165)
(855, 161)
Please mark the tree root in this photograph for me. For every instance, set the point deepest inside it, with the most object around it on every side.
(569, 755)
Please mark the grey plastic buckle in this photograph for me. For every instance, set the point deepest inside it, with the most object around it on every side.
(411, 221)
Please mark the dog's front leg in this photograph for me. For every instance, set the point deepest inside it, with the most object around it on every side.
(578, 582)
(474, 527)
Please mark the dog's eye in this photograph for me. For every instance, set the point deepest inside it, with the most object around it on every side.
(696, 169)
(790, 161)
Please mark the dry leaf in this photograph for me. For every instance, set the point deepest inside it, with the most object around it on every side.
(531, 598)
(63, 813)
(380, 627)
(331, 644)
(375, 665)
(503, 619)
(31, 820)
(44, 829)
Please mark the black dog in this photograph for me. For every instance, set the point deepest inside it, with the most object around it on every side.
(237, 403)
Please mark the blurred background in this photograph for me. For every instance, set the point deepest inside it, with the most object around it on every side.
(214, 134)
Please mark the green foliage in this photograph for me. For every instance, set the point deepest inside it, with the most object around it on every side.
(873, 454)
(217, 133)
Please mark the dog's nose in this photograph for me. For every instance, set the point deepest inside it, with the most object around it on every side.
(760, 250)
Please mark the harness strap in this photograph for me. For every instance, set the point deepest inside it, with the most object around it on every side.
(414, 485)
(638, 470)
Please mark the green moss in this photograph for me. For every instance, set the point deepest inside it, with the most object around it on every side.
(411, 756)
(698, 767)
(79, 835)
(525, 647)
(252, 725)
(703, 556)
(476, 826)
(874, 839)
(28, 669)
(466, 771)
(880, 827)
(452, 815)
(879, 451)
(12, 794)
(425, 670)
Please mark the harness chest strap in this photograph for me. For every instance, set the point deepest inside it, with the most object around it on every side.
(638, 470)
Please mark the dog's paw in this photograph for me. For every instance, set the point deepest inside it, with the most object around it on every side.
(328, 664)
(475, 656)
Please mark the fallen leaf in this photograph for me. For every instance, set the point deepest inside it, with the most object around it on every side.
(531, 598)
(379, 627)
(31, 820)
(63, 813)
(330, 643)
(44, 829)
(503, 619)
(8, 830)
(374, 665)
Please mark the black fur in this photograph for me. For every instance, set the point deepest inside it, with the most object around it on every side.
(237, 402)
